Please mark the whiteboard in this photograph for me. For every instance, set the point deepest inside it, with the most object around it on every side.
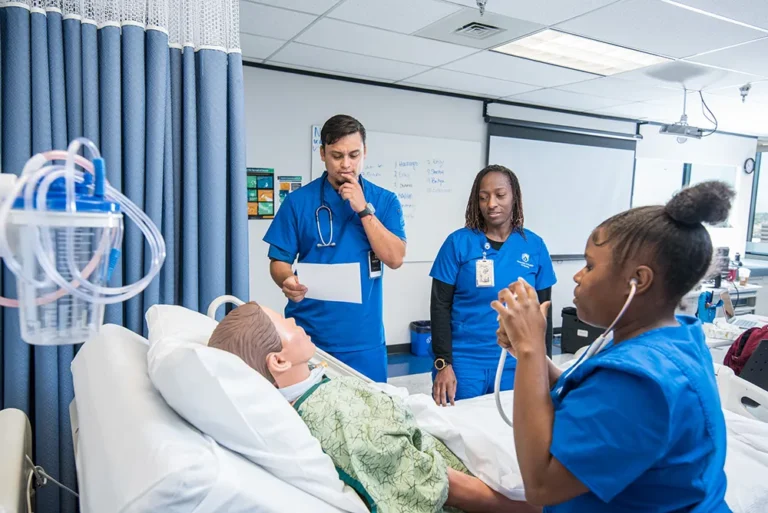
(431, 177)
(568, 189)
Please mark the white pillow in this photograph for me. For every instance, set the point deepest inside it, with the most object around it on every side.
(221, 396)
(177, 322)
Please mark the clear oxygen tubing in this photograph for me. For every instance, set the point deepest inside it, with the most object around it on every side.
(95, 293)
(594, 348)
(35, 171)
(32, 169)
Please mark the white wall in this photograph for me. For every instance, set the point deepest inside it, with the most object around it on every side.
(281, 108)
(715, 150)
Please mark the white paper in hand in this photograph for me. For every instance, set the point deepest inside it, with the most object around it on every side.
(331, 282)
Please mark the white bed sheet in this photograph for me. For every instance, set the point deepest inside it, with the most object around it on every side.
(475, 432)
(243, 487)
(135, 455)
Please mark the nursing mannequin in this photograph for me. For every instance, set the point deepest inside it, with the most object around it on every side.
(372, 438)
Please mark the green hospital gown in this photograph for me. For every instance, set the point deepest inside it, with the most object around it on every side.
(377, 447)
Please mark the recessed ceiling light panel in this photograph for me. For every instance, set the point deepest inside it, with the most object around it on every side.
(575, 52)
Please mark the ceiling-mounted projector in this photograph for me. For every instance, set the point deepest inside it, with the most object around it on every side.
(682, 130)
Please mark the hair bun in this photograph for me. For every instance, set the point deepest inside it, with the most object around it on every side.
(707, 202)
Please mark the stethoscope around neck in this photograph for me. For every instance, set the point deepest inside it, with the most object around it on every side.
(324, 206)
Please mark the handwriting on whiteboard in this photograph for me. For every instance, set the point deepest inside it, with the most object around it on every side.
(317, 141)
(412, 181)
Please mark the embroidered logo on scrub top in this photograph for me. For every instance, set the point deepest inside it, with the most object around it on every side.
(524, 261)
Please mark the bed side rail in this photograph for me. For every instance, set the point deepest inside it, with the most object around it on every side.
(15, 447)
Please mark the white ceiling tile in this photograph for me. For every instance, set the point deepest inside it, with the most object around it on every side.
(725, 110)
(262, 20)
(758, 93)
(257, 47)
(608, 87)
(309, 6)
(659, 28)
(565, 99)
(546, 12)
(335, 61)
(406, 16)
(329, 73)
(686, 74)
(748, 58)
(507, 67)
(340, 35)
(456, 81)
(752, 12)
(731, 118)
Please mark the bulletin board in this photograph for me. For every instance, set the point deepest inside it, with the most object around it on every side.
(261, 193)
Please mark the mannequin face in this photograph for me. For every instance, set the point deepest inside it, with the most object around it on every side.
(297, 346)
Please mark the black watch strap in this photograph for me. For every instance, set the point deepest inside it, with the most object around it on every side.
(367, 211)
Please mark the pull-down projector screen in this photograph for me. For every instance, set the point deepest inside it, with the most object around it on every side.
(570, 182)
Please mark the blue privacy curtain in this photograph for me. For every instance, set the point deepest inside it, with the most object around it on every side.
(158, 86)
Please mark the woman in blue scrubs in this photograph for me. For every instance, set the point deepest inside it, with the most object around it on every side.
(637, 426)
(474, 263)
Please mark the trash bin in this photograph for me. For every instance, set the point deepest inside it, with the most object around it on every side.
(575, 333)
(421, 338)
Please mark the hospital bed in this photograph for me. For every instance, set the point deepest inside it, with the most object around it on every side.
(135, 454)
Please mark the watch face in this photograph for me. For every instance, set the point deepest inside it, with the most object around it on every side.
(749, 165)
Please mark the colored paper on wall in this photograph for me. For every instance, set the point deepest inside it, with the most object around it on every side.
(261, 192)
(286, 185)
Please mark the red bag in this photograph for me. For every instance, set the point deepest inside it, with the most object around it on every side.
(741, 350)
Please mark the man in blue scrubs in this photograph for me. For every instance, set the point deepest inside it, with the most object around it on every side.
(340, 218)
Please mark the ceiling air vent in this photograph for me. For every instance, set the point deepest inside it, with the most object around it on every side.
(477, 30)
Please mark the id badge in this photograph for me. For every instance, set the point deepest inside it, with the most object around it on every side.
(484, 273)
(374, 265)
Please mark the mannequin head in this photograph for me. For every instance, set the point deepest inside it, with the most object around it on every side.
(269, 343)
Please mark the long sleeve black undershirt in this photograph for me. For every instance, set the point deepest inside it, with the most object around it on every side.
(440, 315)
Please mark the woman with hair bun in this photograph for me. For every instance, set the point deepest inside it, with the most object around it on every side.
(636, 424)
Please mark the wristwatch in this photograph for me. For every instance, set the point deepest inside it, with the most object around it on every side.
(367, 211)
(441, 364)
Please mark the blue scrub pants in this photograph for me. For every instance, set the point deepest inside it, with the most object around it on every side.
(371, 362)
(476, 381)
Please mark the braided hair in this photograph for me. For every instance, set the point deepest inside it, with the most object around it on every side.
(672, 236)
(474, 217)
